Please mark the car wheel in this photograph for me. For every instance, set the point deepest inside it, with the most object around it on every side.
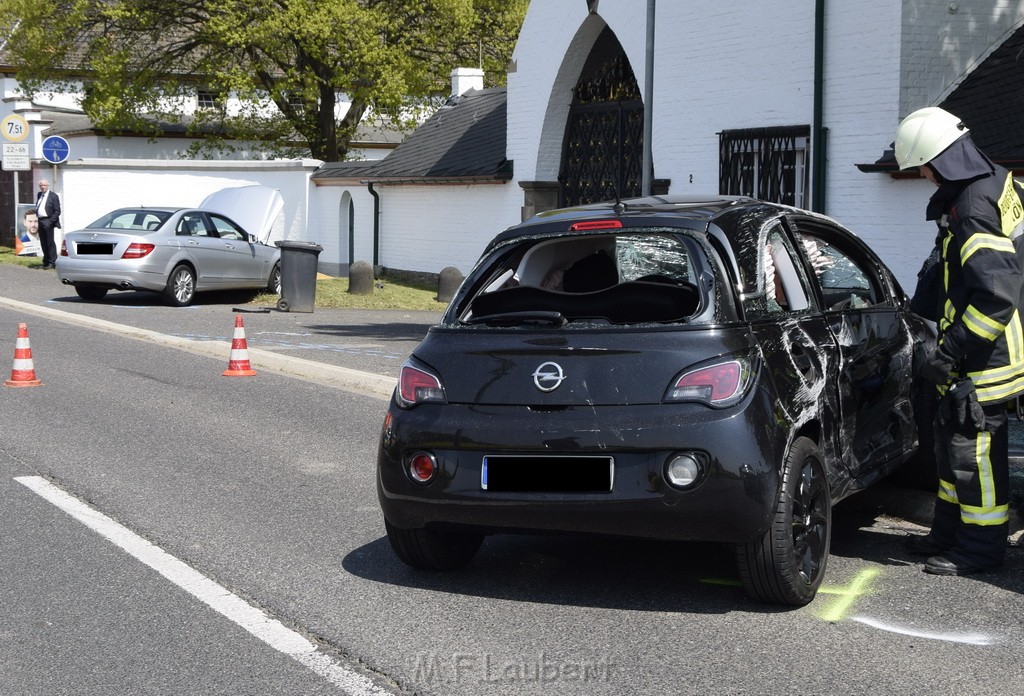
(181, 286)
(91, 292)
(429, 549)
(786, 566)
(921, 471)
(274, 286)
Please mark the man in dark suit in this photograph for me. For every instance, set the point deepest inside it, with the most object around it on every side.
(48, 211)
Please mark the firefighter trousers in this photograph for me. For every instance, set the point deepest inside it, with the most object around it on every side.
(972, 510)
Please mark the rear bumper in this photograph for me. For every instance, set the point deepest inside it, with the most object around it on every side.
(114, 274)
(733, 502)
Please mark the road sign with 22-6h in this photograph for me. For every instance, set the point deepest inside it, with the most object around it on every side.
(15, 157)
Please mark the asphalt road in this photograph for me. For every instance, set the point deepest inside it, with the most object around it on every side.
(264, 486)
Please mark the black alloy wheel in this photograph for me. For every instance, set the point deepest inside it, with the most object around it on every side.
(787, 565)
(429, 549)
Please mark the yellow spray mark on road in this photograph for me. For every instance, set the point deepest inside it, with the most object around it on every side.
(845, 597)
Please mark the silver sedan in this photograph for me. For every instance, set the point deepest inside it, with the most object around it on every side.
(174, 251)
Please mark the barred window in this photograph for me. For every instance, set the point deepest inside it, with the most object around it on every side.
(766, 163)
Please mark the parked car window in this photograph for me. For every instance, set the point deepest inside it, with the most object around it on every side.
(226, 229)
(131, 220)
(845, 282)
(192, 225)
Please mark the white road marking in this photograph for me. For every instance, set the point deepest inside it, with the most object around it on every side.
(270, 631)
(968, 638)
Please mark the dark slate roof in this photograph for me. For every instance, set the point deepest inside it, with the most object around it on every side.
(990, 101)
(463, 141)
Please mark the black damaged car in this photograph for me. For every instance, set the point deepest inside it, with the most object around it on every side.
(716, 369)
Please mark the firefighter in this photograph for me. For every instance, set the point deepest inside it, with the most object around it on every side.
(978, 363)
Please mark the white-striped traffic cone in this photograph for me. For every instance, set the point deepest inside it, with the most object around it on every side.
(238, 362)
(22, 374)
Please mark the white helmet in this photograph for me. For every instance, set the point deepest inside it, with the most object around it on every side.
(924, 134)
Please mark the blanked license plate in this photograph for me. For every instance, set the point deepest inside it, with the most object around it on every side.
(545, 474)
(84, 248)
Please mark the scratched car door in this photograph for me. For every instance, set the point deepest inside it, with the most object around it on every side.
(875, 352)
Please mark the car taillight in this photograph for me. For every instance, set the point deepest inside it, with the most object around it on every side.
(136, 250)
(64, 248)
(719, 384)
(417, 386)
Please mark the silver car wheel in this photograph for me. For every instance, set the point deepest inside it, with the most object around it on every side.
(181, 286)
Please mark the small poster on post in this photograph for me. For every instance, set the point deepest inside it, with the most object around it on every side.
(26, 242)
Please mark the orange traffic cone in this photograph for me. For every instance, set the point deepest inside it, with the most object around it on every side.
(238, 363)
(22, 374)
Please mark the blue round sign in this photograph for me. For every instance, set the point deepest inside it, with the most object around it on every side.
(56, 149)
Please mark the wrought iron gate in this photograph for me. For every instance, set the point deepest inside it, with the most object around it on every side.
(602, 153)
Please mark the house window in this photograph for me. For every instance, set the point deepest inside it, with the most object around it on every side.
(205, 99)
(766, 163)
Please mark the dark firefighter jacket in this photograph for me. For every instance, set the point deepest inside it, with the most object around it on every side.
(981, 223)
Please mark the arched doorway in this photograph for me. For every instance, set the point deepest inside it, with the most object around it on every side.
(602, 152)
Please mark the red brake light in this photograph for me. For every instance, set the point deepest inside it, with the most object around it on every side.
(416, 386)
(719, 385)
(136, 250)
(64, 248)
(595, 225)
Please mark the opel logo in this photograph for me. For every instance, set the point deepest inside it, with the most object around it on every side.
(548, 377)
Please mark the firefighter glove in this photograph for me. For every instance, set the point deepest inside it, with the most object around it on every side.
(960, 408)
(937, 367)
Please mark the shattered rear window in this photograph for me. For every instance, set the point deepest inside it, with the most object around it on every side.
(625, 278)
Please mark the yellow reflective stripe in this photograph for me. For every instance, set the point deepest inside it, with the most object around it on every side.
(1015, 339)
(984, 240)
(947, 492)
(985, 517)
(1011, 212)
(982, 450)
(1001, 392)
(981, 325)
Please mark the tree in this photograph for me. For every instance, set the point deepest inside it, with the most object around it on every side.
(140, 58)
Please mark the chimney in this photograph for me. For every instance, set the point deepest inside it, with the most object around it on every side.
(465, 79)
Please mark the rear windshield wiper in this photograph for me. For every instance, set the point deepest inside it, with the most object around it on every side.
(519, 319)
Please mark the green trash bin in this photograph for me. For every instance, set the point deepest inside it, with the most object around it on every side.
(298, 275)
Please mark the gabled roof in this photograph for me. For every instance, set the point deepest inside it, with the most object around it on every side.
(464, 141)
(990, 101)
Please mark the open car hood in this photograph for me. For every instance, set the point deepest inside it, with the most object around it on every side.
(255, 208)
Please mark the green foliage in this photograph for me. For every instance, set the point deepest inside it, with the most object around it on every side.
(141, 58)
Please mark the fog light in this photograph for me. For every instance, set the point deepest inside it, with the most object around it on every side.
(683, 470)
(422, 467)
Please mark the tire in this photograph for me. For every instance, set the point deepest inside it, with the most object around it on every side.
(91, 292)
(428, 549)
(274, 284)
(921, 471)
(786, 566)
(181, 286)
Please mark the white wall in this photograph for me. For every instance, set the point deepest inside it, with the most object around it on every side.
(427, 228)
